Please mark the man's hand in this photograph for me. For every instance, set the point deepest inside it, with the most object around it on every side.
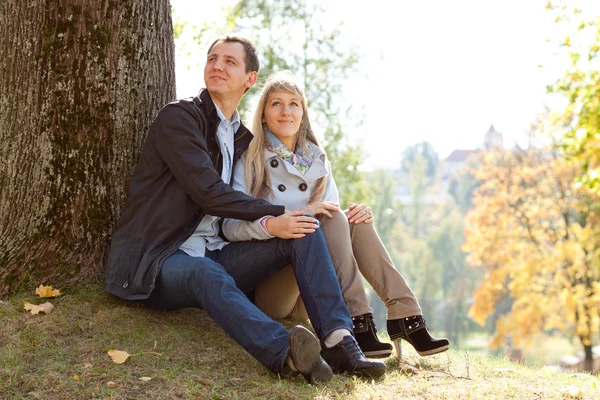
(321, 208)
(359, 213)
(291, 225)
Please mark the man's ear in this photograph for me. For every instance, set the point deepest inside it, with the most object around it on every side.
(251, 79)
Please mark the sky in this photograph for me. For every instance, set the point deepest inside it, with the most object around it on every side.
(436, 70)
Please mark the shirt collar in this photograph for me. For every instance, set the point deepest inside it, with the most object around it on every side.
(235, 118)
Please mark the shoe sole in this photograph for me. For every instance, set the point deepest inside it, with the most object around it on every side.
(372, 373)
(437, 350)
(306, 355)
(433, 351)
(378, 353)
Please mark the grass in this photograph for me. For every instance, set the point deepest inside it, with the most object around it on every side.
(63, 355)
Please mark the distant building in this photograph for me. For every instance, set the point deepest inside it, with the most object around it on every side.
(493, 139)
(458, 159)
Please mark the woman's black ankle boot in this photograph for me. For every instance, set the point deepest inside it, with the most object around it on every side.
(366, 336)
(414, 331)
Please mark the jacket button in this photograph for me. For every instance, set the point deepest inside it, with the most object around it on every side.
(281, 188)
(303, 187)
(210, 152)
(274, 163)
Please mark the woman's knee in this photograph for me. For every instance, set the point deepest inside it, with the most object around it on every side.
(278, 295)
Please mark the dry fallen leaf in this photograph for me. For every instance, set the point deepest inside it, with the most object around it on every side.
(572, 392)
(87, 365)
(118, 356)
(145, 379)
(35, 309)
(47, 291)
(111, 384)
(76, 377)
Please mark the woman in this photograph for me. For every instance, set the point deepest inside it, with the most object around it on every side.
(302, 179)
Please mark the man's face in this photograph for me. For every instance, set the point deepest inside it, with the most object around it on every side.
(225, 71)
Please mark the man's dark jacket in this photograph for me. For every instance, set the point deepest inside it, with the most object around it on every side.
(176, 181)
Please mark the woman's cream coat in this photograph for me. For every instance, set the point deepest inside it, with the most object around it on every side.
(287, 184)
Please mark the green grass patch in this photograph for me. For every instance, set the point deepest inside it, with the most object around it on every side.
(63, 355)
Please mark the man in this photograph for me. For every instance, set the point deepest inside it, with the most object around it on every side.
(166, 249)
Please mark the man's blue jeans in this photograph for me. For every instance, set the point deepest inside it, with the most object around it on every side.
(217, 283)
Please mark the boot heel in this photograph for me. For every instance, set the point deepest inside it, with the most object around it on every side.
(398, 347)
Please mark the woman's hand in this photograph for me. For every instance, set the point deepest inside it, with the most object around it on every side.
(291, 225)
(321, 208)
(359, 213)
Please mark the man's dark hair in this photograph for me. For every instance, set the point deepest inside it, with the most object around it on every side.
(252, 63)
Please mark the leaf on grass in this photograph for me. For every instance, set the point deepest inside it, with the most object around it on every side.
(36, 309)
(572, 392)
(47, 291)
(76, 377)
(145, 379)
(111, 384)
(87, 365)
(118, 356)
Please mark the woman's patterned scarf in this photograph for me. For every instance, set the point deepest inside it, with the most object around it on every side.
(299, 160)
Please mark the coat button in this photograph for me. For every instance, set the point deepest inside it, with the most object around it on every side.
(274, 163)
(281, 188)
(303, 187)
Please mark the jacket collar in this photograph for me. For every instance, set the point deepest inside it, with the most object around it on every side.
(319, 154)
(207, 104)
(317, 169)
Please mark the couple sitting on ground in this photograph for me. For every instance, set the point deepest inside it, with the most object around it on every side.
(207, 223)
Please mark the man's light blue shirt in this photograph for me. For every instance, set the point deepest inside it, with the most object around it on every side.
(206, 235)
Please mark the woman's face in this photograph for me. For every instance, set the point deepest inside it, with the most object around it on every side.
(283, 114)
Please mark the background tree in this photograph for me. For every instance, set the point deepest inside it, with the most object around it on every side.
(79, 84)
(424, 150)
(580, 86)
(530, 231)
(579, 121)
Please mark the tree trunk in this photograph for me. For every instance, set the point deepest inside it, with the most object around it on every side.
(588, 361)
(80, 81)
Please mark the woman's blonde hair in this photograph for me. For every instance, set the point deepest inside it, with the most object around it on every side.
(258, 180)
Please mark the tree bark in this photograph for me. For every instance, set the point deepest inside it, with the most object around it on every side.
(588, 360)
(80, 81)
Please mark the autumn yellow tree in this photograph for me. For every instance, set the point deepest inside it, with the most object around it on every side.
(580, 86)
(531, 230)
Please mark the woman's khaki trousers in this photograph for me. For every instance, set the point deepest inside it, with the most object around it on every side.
(355, 250)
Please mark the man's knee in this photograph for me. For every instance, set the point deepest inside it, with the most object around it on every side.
(309, 239)
(208, 273)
